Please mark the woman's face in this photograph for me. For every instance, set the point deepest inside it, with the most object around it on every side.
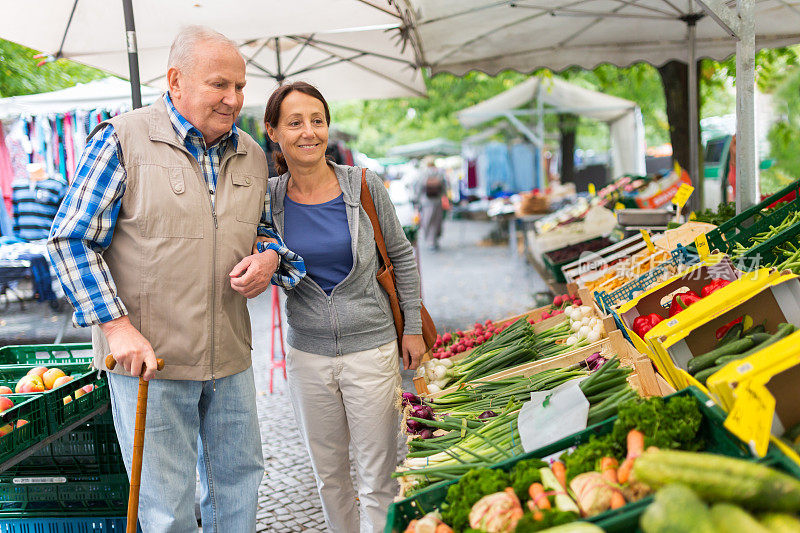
(302, 130)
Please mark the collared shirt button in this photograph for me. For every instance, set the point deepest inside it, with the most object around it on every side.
(247, 181)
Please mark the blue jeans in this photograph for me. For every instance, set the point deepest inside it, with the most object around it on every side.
(217, 418)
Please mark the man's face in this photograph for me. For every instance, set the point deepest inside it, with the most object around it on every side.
(209, 92)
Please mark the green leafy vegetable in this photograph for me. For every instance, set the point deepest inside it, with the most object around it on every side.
(524, 474)
(586, 457)
(472, 486)
(672, 424)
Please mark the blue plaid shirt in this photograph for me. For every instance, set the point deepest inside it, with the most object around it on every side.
(84, 224)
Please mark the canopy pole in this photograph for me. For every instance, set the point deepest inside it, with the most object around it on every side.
(747, 189)
(694, 143)
(133, 54)
(540, 130)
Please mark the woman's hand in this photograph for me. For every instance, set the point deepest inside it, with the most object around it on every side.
(262, 239)
(413, 348)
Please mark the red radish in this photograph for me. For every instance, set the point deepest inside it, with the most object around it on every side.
(557, 300)
(447, 338)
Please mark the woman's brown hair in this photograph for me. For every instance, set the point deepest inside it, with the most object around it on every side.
(273, 112)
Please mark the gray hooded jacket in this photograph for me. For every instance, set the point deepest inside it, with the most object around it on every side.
(356, 316)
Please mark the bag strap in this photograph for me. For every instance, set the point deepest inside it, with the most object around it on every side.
(369, 207)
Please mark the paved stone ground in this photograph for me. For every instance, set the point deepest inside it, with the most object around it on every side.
(462, 283)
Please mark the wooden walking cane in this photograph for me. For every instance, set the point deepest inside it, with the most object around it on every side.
(138, 444)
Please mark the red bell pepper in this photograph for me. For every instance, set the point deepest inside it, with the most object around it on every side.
(715, 285)
(682, 301)
(724, 329)
(644, 323)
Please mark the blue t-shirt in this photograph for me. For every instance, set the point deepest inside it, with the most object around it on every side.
(321, 235)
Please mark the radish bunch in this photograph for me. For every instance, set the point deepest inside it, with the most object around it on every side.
(450, 344)
(560, 302)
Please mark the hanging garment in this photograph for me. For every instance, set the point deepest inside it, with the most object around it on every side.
(6, 171)
(498, 172)
(35, 205)
(523, 162)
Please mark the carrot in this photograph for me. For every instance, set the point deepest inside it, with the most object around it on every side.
(635, 449)
(412, 527)
(608, 467)
(539, 498)
(443, 528)
(560, 472)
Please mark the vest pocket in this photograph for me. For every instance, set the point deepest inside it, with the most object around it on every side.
(249, 194)
(168, 206)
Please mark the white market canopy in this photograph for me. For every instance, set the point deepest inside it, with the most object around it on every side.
(347, 48)
(622, 116)
(529, 34)
(461, 35)
(108, 93)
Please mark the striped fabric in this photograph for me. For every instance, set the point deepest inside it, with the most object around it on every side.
(35, 205)
(84, 225)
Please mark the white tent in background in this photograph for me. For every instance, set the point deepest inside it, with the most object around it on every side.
(622, 116)
(108, 93)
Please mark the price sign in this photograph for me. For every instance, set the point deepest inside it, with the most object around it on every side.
(683, 194)
(702, 246)
(592, 190)
(647, 240)
(751, 416)
(619, 206)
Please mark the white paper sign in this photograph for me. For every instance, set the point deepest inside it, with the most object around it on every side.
(552, 415)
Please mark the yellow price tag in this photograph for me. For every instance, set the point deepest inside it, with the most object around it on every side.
(692, 216)
(647, 240)
(592, 190)
(619, 206)
(683, 194)
(702, 246)
(751, 416)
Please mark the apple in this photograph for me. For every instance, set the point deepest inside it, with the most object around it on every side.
(5, 404)
(21, 422)
(38, 371)
(67, 399)
(5, 430)
(51, 376)
(60, 381)
(5, 390)
(30, 384)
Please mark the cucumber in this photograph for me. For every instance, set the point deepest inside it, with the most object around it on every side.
(758, 328)
(784, 330)
(716, 478)
(704, 374)
(780, 522)
(706, 360)
(734, 333)
(727, 517)
(677, 509)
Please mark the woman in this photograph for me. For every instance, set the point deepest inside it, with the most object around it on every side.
(342, 364)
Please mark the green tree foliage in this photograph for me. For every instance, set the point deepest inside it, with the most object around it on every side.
(784, 134)
(19, 74)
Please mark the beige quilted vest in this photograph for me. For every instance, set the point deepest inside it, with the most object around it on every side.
(170, 254)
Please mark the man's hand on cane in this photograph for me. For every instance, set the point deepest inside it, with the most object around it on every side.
(129, 347)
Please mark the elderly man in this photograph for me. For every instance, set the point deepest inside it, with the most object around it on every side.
(153, 246)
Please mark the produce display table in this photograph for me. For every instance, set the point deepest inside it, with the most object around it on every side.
(684, 395)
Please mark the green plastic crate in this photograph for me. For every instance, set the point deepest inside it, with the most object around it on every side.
(82, 471)
(593, 245)
(28, 407)
(64, 524)
(717, 438)
(60, 414)
(46, 354)
(751, 221)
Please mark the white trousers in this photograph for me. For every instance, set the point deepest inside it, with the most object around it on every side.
(342, 400)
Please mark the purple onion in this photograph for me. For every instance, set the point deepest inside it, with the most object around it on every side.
(426, 433)
(422, 411)
(414, 426)
(486, 414)
(409, 398)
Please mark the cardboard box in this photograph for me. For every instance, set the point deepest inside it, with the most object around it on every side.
(760, 392)
(767, 296)
(658, 298)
